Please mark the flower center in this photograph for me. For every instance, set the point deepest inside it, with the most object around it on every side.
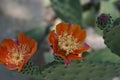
(67, 43)
(16, 55)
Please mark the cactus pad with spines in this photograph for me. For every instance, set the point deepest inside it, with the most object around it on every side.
(31, 70)
(82, 71)
(91, 69)
(117, 22)
(68, 10)
(112, 39)
(103, 55)
(111, 30)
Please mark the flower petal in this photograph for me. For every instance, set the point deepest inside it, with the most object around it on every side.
(82, 48)
(73, 28)
(65, 31)
(77, 32)
(8, 43)
(11, 66)
(22, 39)
(60, 54)
(61, 28)
(75, 57)
(5, 46)
(3, 54)
(67, 61)
(53, 39)
(24, 46)
(28, 55)
(31, 43)
(81, 36)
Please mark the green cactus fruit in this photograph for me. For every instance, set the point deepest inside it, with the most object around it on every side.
(68, 10)
(104, 21)
(112, 38)
(31, 70)
(82, 71)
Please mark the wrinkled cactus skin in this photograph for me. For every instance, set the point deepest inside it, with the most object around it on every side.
(117, 22)
(112, 39)
(32, 70)
(82, 71)
(111, 32)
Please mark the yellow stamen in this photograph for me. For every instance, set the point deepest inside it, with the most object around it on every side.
(68, 43)
(18, 54)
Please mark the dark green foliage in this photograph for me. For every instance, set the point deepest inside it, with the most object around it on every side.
(68, 10)
(82, 71)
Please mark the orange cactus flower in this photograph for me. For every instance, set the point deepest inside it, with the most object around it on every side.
(15, 53)
(67, 42)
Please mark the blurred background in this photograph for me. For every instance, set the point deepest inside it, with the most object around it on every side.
(37, 17)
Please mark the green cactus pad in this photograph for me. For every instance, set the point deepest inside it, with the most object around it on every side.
(117, 22)
(112, 39)
(103, 55)
(68, 10)
(82, 71)
(31, 70)
(89, 17)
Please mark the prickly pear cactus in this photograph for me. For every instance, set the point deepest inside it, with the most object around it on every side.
(96, 67)
(104, 21)
(111, 32)
(103, 55)
(82, 71)
(31, 70)
(68, 10)
(112, 39)
(117, 22)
